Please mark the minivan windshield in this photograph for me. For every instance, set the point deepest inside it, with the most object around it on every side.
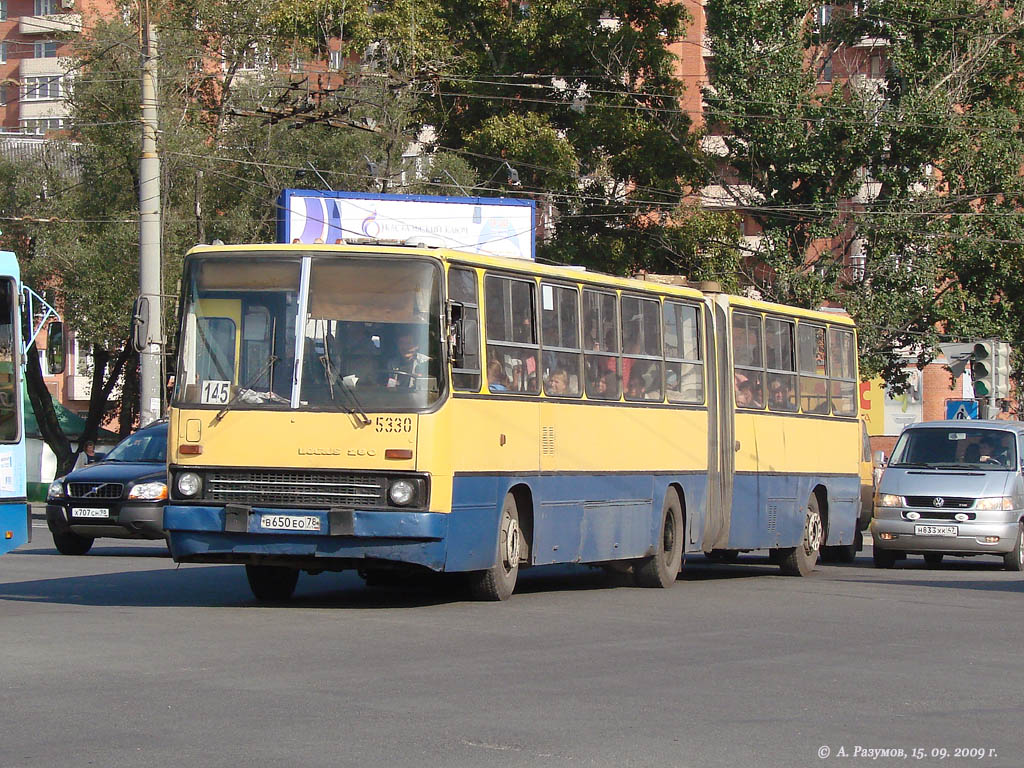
(955, 448)
(146, 445)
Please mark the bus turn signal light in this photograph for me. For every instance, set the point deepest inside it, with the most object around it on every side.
(190, 450)
(9, 535)
(398, 453)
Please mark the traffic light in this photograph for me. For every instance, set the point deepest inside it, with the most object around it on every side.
(1001, 369)
(982, 368)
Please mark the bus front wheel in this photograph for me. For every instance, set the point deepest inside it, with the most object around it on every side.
(663, 567)
(801, 559)
(499, 581)
(271, 583)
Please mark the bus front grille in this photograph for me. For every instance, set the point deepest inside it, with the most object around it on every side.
(296, 488)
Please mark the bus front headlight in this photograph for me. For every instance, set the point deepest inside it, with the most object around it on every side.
(189, 484)
(402, 492)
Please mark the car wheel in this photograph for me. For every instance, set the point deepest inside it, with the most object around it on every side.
(933, 559)
(272, 583)
(802, 559)
(883, 558)
(662, 568)
(72, 544)
(1014, 559)
(499, 581)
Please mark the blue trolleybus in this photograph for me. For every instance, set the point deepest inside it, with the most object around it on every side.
(15, 515)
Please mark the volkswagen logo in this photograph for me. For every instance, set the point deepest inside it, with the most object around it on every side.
(938, 501)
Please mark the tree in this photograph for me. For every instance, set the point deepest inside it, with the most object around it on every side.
(914, 169)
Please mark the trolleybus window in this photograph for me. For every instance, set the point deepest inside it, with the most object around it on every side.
(842, 372)
(748, 360)
(781, 364)
(810, 355)
(560, 337)
(511, 332)
(601, 322)
(10, 391)
(641, 348)
(684, 372)
(462, 289)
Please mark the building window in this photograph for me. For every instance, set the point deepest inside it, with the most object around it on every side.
(3, 52)
(825, 74)
(42, 126)
(823, 15)
(45, 7)
(45, 49)
(41, 88)
(876, 67)
(3, 10)
(334, 60)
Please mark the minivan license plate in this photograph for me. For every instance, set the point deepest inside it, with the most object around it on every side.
(90, 512)
(290, 522)
(935, 530)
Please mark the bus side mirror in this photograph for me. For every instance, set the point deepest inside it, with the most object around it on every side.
(456, 338)
(140, 324)
(55, 348)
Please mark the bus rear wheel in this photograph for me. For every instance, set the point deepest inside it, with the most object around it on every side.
(499, 581)
(271, 583)
(801, 559)
(71, 543)
(661, 569)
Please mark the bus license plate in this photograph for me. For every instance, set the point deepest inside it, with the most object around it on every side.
(90, 512)
(290, 522)
(935, 530)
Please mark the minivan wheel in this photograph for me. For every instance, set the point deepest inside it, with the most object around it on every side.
(1014, 559)
(71, 543)
(883, 558)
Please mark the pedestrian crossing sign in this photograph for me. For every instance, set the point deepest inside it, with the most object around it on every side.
(961, 409)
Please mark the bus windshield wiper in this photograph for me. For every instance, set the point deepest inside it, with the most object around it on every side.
(355, 408)
(244, 392)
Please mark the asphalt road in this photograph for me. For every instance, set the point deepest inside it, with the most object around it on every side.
(120, 658)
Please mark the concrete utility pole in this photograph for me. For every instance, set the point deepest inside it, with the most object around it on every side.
(151, 357)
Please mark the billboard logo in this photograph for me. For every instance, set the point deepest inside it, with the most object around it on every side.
(370, 226)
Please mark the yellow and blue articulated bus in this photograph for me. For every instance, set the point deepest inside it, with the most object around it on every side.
(15, 515)
(385, 408)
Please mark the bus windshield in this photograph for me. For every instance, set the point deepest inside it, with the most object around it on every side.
(955, 448)
(369, 337)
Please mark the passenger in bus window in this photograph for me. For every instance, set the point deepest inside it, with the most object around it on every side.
(557, 383)
(636, 389)
(497, 381)
(781, 396)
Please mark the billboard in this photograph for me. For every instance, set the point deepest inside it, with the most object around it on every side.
(494, 226)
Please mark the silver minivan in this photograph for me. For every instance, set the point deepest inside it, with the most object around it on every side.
(952, 488)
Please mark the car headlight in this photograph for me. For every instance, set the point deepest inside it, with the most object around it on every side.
(994, 503)
(148, 491)
(189, 484)
(888, 500)
(56, 489)
(402, 492)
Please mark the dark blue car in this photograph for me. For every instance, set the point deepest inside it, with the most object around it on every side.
(122, 496)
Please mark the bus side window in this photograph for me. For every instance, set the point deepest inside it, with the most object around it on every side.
(811, 358)
(641, 348)
(511, 333)
(601, 344)
(748, 360)
(462, 289)
(842, 372)
(684, 371)
(560, 337)
(781, 364)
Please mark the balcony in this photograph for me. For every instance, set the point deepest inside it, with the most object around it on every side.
(50, 66)
(78, 387)
(54, 22)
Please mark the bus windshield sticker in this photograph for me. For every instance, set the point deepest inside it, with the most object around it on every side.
(215, 392)
(548, 297)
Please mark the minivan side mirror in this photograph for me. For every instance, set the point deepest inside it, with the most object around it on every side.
(140, 324)
(879, 458)
(55, 348)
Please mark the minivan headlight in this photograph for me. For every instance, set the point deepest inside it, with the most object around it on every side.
(56, 489)
(994, 503)
(189, 484)
(148, 491)
(889, 500)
